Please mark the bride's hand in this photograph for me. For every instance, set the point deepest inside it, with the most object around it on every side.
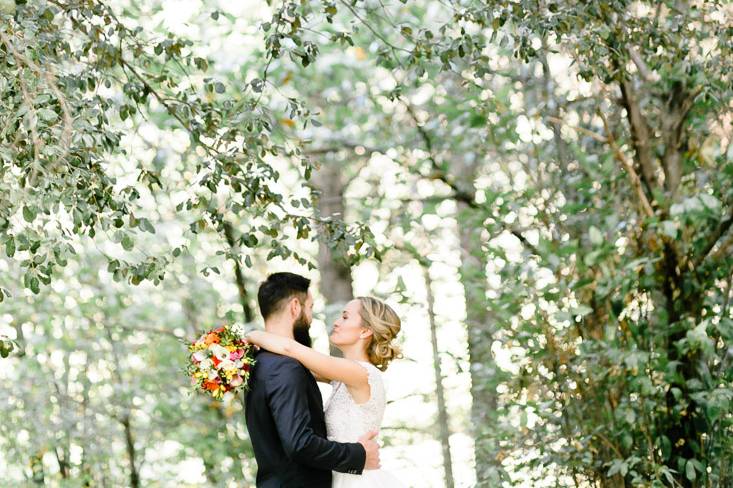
(254, 337)
(271, 342)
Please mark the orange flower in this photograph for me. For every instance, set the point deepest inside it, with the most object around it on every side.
(212, 338)
(215, 360)
(211, 385)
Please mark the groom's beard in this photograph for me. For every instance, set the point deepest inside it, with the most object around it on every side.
(301, 331)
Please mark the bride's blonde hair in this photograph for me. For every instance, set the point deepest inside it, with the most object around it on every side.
(385, 324)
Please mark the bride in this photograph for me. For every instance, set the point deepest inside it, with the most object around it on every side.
(365, 334)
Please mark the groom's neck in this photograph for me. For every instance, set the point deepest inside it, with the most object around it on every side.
(279, 327)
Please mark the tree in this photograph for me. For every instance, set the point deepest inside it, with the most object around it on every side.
(63, 163)
(609, 228)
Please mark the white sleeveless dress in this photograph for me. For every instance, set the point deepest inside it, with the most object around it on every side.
(346, 421)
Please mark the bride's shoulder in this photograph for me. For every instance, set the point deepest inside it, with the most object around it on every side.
(369, 366)
(373, 373)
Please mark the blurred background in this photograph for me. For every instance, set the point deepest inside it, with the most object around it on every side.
(543, 190)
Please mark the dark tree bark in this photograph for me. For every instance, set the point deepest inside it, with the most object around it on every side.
(131, 452)
(239, 274)
(336, 280)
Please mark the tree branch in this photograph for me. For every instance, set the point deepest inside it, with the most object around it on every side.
(459, 194)
(394, 48)
(238, 274)
(340, 146)
(636, 184)
(641, 136)
(438, 172)
(644, 70)
(679, 106)
(596, 136)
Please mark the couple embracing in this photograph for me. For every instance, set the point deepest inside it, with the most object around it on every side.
(296, 443)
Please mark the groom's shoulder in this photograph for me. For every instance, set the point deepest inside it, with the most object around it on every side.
(271, 363)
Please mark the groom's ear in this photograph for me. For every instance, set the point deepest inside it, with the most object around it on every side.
(294, 306)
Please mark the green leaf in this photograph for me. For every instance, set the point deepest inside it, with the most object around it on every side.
(127, 242)
(47, 115)
(618, 466)
(690, 470)
(257, 85)
(146, 226)
(201, 63)
(35, 285)
(10, 247)
(29, 213)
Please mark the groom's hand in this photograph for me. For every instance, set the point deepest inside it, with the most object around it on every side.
(372, 449)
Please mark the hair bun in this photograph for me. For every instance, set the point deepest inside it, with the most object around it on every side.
(387, 352)
(385, 324)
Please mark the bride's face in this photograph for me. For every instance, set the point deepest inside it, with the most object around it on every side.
(348, 329)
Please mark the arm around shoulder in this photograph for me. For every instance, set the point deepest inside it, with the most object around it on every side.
(323, 366)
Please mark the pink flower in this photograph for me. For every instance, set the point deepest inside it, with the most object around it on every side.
(236, 381)
(234, 355)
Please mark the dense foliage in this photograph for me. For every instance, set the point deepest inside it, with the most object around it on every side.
(74, 78)
(574, 158)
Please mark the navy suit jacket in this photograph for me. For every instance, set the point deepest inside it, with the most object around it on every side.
(284, 413)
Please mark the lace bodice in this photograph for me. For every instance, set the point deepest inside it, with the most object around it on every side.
(346, 420)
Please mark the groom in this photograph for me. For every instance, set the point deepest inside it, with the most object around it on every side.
(284, 409)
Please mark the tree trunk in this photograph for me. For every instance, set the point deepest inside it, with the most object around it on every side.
(86, 470)
(480, 336)
(442, 410)
(131, 452)
(125, 419)
(238, 274)
(62, 458)
(336, 279)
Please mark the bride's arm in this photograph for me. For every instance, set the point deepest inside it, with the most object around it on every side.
(319, 378)
(323, 366)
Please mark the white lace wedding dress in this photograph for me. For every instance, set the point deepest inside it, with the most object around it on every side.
(346, 421)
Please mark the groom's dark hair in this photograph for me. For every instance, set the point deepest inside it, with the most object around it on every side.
(278, 288)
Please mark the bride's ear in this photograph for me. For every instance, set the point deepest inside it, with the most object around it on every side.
(366, 333)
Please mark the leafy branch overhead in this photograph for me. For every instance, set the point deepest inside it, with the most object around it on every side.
(74, 78)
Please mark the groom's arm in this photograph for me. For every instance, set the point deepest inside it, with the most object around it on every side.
(287, 397)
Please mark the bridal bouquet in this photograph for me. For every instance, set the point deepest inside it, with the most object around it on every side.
(220, 361)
